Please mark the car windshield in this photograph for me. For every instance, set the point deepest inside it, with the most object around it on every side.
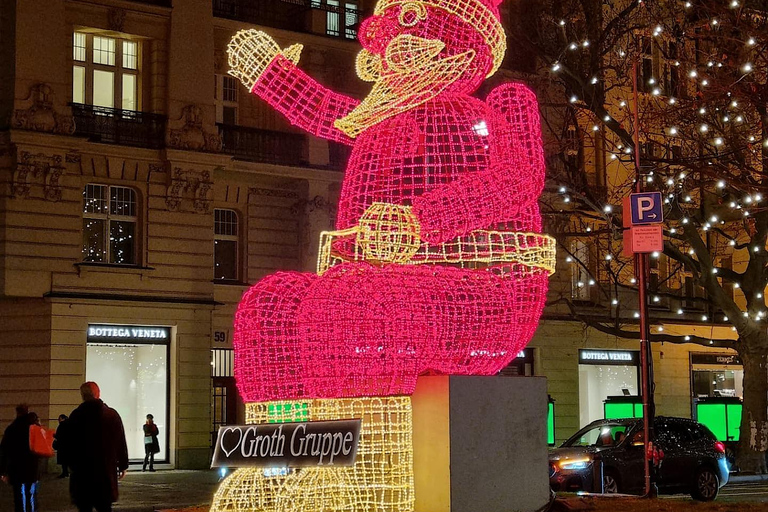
(600, 436)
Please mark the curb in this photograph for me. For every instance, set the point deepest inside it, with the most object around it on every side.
(735, 479)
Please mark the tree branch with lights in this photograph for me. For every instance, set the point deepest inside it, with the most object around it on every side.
(703, 127)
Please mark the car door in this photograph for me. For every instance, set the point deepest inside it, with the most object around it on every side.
(627, 459)
(679, 461)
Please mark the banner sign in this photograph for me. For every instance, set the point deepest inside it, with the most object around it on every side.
(293, 445)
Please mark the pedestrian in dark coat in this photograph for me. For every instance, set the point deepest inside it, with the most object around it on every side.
(94, 441)
(151, 445)
(61, 452)
(18, 465)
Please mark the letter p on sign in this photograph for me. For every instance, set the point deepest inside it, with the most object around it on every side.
(646, 208)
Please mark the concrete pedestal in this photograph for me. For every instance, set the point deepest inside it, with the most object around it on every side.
(480, 444)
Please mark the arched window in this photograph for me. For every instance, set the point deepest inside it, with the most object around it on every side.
(109, 224)
(225, 241)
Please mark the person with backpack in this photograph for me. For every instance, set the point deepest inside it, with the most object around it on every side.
(19, 465)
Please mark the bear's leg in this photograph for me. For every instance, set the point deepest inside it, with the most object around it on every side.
(371, 331)
(268, 359)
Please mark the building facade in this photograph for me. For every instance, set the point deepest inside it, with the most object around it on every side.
(142, 190)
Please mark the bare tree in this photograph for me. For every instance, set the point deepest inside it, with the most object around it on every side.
(703, 127)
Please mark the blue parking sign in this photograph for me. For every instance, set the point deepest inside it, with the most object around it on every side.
(646, 208)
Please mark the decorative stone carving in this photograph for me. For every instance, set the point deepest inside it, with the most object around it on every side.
(270, 192)
(73, 157)
(116, 19)
(46, 168)
(318, 203)
(191, 135)
(176, 189)
(203, 192)
(197, 183)
(155, 167)
(52, 187)
(219, 61)
(20, 187)
(40, 115)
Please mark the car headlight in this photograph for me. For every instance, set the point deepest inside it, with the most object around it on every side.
(574, 464)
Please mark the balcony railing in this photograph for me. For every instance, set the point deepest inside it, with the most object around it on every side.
(117, 126)
(295, 15)
(266, 146)
(159, 3)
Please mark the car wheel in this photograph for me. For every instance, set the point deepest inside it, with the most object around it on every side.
(610, 483)
(706, 485)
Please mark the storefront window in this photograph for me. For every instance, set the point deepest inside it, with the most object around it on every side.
(717, 388)
(716, 382)
(130, 365)
(716, 375)
(603, 374)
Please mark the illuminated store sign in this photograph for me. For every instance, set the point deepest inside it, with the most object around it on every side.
(312, 443)
(719, 359)
(525, 355)
(615, 357)
(100, 333)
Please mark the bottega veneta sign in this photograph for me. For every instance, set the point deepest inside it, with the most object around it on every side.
(126, 332)
(610, 357)
(310, 443)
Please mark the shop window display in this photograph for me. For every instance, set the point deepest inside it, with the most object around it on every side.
(598, 382)
(717, 383)
(134, 381)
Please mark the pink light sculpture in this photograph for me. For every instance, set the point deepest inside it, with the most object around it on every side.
(436, 265)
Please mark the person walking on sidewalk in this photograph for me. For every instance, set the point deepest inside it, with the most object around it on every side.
(19, 466)
(94, 442)
(61, 453)
(151, 445)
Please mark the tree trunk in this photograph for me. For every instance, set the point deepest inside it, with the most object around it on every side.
(753, 435)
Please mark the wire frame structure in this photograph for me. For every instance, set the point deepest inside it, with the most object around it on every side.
(437, 263)
(380, 480)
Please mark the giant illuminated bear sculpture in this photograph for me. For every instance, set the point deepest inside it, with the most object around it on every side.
(437, 264)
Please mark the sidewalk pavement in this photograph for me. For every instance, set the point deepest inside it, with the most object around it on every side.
(139, 492)
(164, 489)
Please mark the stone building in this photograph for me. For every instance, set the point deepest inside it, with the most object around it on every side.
(142, 189)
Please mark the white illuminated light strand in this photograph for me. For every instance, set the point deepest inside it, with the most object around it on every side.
(704, 127)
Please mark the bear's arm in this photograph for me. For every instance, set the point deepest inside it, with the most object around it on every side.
(302, 100)
(504, 192)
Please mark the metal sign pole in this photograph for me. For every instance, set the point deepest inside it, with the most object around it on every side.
(641, 271)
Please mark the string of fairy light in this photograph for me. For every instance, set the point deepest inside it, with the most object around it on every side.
(715, 121)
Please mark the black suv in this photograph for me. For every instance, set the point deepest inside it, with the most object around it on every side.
(694, 460)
